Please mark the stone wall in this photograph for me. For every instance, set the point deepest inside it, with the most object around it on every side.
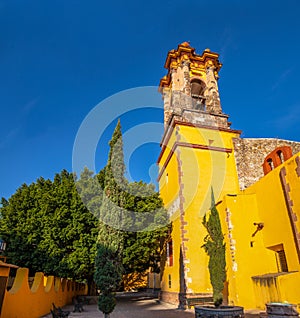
(250, 154)
(169, 297)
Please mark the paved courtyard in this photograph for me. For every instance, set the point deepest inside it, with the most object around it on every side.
(138, 306)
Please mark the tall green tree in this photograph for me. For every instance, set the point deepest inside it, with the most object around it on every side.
(109, 269)
(214, 246)
(49, 227)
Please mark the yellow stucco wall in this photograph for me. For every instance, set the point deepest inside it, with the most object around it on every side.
(172, 272)
(186, 180)
(246, 256)
(21, 301)
(255, 256)
(200, 170)
(273, 213)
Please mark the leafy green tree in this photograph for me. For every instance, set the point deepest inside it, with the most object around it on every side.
(109, 269)
(215, 248)
(142, 249)
(21, 224)
(47, 228)
(90, 189)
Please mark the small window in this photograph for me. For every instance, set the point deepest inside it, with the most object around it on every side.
(281, 261)
(280, 156)
(270, 163)
(169, 280)
(170, 253)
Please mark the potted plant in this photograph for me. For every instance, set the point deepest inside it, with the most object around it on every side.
(214, 246)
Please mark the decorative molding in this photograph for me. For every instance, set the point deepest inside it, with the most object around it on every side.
(232, 241)
(298, 166)
(289, 204)
(173, 122)
(189, 145)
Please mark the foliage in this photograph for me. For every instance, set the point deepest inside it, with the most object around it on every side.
(142, 249)
(47, 228)
(90, 190)
(107, 303)
(122, 251)
(109, 269)
(48, 225)
(215, 248)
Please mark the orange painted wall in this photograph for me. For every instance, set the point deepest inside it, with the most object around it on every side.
(21, 301)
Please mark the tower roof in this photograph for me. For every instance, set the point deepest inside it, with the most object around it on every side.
(185, 52)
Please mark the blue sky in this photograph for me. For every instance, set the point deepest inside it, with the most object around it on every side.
(59, 59)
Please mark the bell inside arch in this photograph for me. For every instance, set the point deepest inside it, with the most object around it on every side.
(197, 92)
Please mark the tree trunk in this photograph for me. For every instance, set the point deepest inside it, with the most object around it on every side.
(106, 315)
(91, 286)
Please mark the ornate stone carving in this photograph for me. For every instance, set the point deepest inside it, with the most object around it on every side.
(184, 64)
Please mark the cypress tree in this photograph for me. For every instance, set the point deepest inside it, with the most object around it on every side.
(108, 274)
(215, 249)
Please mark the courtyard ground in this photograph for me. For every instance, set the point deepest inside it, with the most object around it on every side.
(137, 305)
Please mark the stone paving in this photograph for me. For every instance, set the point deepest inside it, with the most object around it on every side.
(138, 306)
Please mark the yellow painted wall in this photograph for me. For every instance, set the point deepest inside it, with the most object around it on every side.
(262, 202)
(169, 186)
(201, 169)
(247, 257)
(173, 270)
(273, 213)
(24, 302)
(289, 288)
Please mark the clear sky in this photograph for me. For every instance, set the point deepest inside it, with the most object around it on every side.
(59, 59)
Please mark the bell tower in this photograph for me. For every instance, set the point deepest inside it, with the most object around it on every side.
(190, 88)
(197, 155)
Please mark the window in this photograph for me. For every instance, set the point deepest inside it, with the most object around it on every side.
(270, 163)
(277, 157)
(197, 92)
(281, 261)
(170, 281)
(170, 253)
(280, 257)
(280, 156)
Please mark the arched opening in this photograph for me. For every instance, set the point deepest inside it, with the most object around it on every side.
(280, 156)
(277, 157)
(270, 163)
(197, 92)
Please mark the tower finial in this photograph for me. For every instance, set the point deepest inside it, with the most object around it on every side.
(186, 44)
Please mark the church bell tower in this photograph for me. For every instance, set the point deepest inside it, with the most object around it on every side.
(197, 155)
(190, 88)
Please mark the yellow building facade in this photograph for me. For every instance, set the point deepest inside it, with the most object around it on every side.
(257, 199)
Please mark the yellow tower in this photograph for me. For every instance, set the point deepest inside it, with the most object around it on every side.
(196, 156)
(260, 222)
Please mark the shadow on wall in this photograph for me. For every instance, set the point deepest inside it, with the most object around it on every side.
(32, 302)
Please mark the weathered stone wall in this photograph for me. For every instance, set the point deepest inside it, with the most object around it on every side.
(250, 154)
